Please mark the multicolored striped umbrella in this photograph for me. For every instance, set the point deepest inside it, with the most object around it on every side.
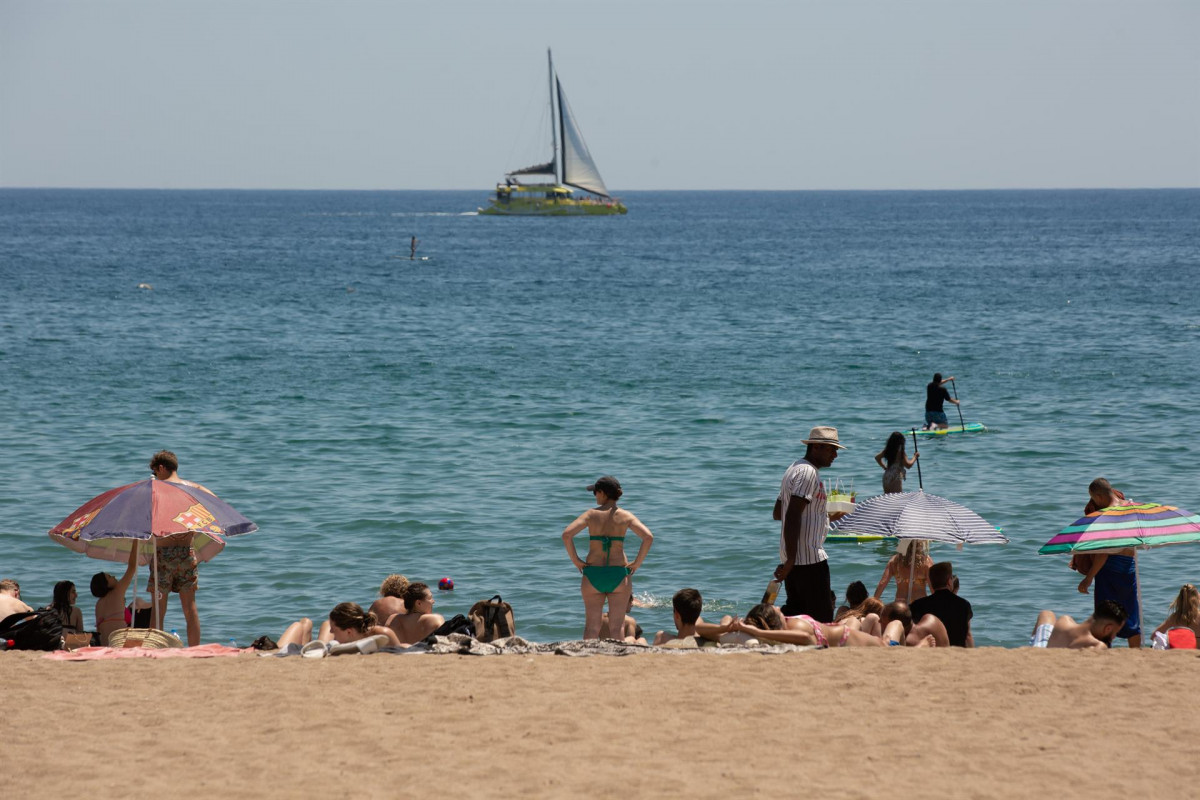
(917, 515)
(1139, 525)
(107, 526)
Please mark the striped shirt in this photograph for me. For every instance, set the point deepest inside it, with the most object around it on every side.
(803, 480)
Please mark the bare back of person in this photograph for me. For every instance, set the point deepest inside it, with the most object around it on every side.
(384, 607)
(412, 627)
(1074, 635)
(10, 605)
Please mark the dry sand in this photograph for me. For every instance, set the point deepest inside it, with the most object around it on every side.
(836, 723)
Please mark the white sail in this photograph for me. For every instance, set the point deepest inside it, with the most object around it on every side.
(579, 170)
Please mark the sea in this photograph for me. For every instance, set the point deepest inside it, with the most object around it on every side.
(440, 417)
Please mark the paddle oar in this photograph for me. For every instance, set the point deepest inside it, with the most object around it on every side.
(957, 405)
(917, 452)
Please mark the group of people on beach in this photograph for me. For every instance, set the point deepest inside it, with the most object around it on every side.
(927, 609)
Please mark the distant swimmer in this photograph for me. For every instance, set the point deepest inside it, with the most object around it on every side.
(412, 249)
(935, 396)
(145, 286)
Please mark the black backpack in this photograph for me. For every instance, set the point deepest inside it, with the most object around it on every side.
(456, 624)
(33, 630)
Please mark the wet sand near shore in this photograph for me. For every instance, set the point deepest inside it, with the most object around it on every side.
(839, 723)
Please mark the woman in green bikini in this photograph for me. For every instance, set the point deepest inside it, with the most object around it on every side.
(606, 572)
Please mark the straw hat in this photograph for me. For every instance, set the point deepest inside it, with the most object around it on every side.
(823, 435)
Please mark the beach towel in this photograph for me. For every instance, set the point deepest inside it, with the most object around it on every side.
(111, 653)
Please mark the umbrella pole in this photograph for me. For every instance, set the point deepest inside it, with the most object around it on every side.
(912, 568)
(961, 424)
(917, 452)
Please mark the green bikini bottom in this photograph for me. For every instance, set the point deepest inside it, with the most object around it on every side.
(605, 579)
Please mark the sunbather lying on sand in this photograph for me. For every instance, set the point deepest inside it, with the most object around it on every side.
(347, 623)
(768, 623)
(1096, 632)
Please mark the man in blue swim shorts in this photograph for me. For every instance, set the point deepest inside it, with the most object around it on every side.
(935, 399)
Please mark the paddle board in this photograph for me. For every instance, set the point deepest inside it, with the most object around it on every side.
(970, 427)
(834, 537)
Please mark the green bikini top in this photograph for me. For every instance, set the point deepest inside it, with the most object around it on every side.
(606, 543)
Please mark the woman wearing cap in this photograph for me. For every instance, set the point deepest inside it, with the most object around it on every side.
(606, 571)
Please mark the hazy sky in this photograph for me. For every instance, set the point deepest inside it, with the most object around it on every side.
(670, 95)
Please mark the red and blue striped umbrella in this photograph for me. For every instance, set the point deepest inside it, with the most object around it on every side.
(108, 525)
(1139, 525)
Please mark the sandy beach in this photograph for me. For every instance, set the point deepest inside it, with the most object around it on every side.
(836, 723)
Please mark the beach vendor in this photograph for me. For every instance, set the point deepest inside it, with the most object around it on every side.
(935, 398)
(800, 510)
(1115, 574)
(175, 559)
(607, 573)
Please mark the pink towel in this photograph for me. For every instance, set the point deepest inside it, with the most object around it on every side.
(109, 653)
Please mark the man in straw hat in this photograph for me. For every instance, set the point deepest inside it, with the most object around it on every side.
(804, 567)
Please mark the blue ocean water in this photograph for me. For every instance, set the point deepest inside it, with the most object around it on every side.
(441, 418)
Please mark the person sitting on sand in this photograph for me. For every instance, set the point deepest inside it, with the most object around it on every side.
(347, 623)
(766, 622)
(910, 567)
(629, 630)
(926, 632)
(391, 597)
(954, 611)
(607, 573)
(856, 592)
(1184, 612)
(10, 599)
(1096, 632)
(110, 603)
(64, 606)
(686, 605)
(418, 621)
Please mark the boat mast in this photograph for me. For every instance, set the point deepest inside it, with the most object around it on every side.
(554, 120)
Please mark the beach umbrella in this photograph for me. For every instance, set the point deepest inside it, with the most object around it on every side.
(917, 515)
(109, 525)
(1139, 526)
(106, 526)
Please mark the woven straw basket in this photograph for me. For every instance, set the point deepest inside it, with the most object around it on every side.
(143, 637)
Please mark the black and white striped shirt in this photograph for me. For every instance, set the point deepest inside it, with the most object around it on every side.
(803, 480)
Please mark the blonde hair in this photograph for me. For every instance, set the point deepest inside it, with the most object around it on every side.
(1186, 608)
(916, 548)
(393, 586)
(872, 605)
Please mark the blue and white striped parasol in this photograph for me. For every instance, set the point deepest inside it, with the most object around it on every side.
(917, 515)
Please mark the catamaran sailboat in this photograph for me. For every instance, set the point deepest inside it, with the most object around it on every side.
(574, 170)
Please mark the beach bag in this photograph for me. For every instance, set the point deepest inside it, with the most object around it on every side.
(456, 624)
(33, 630)
(493, 619)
